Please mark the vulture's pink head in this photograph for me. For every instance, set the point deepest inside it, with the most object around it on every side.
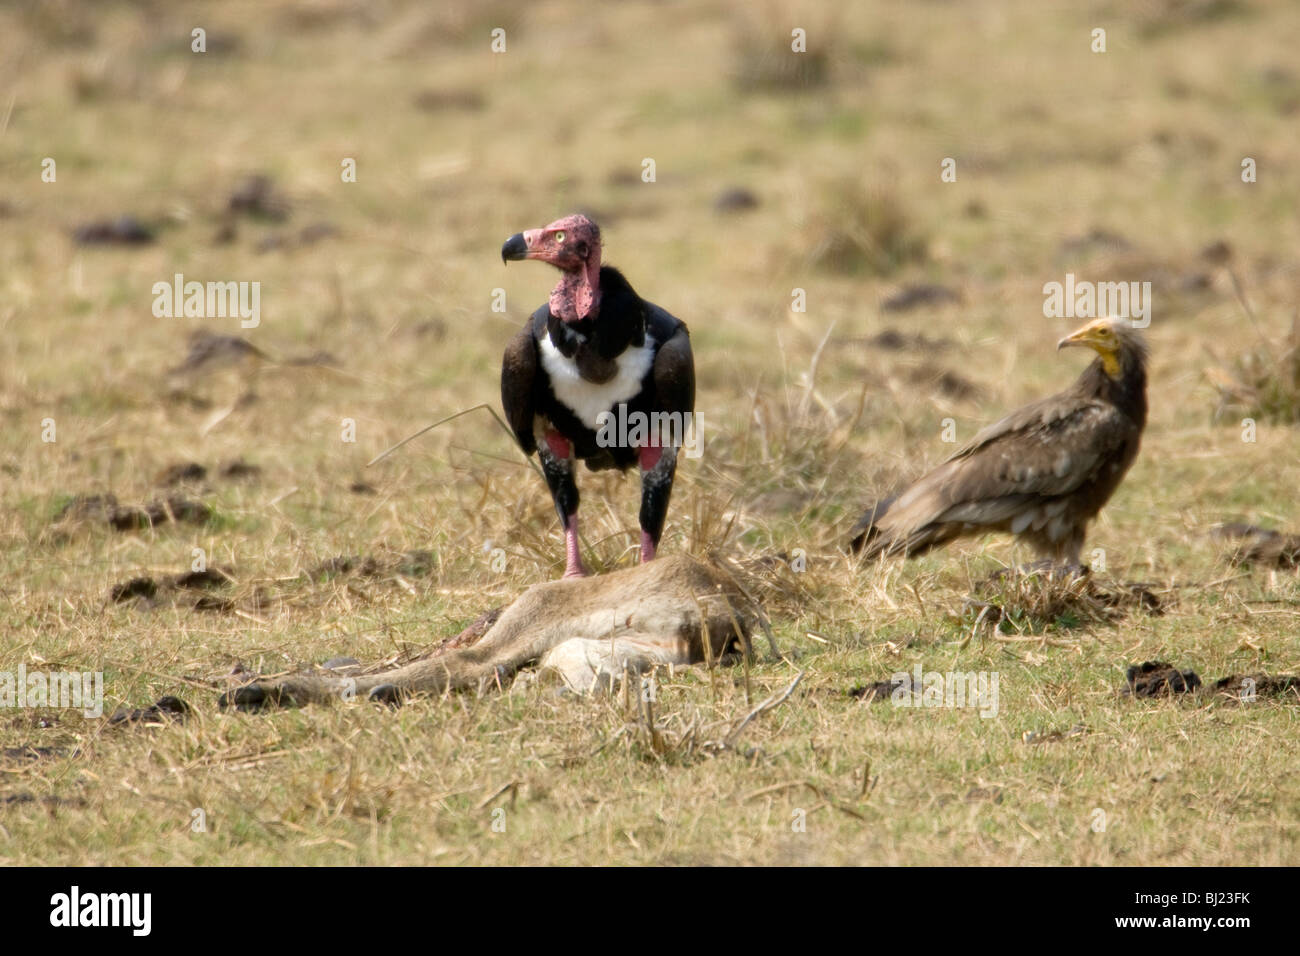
(572, 245)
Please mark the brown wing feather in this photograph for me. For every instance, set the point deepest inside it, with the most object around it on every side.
(1034, 417)
(1052, 454)
(1045, 450)
(518, 375)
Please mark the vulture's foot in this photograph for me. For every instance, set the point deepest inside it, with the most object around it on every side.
(1055, 569)
(1052, 570)
(573, 566)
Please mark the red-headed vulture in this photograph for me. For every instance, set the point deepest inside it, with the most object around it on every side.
(1042, 473)
(597, 375)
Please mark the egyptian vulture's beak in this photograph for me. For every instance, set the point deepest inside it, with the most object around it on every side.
(1081, 336)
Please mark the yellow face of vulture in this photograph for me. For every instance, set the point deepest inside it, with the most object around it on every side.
(1106, 337)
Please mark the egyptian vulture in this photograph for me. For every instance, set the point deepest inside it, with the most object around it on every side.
(1042, 473)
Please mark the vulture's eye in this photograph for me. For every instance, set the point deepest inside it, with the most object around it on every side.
(559, 236)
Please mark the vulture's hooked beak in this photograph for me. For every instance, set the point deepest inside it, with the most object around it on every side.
(1081, 337)
(516, 248)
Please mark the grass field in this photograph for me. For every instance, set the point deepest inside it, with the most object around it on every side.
(376, 308)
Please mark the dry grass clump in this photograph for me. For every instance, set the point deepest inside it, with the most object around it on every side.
(777, 583)
(857, 229)
(766, 59)
(1038, 600)
(1264, 382)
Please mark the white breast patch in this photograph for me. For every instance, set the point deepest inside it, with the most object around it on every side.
(587, 399)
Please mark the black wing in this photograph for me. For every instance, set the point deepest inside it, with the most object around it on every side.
(518, 379)
(674, 367)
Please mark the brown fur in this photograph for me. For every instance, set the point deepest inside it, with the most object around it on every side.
(589, 629)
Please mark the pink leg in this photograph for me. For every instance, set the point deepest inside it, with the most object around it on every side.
(573, 567)
(562, 448)
(647, 547)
